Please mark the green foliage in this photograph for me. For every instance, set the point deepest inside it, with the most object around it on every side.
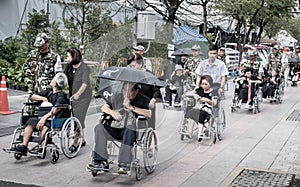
(86, 21)
(292, 26)
(37, 22)
(9, 49)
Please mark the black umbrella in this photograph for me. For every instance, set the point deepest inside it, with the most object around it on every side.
(182, 52)
(112, 80)
(128, 74)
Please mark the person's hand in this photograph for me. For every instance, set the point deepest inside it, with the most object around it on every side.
(76, 96)
(152, 103)
(41, 123)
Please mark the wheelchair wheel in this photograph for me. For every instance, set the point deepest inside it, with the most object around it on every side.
(150, 150)
(70, 133)
(54, 156)
(138, 173)
(221, 124)
(18, 156)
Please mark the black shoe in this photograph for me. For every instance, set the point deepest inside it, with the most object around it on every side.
(36, 149)
(83, 144)
(73, 148)
(22, 149)
(99, 166)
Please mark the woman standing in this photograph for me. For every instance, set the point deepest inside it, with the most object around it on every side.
(79, 87)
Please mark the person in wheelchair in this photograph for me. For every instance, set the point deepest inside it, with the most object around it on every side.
(202, 95)
(270, 84)
(55, 96)
(117, 126)
(175, 86)
(247, 82)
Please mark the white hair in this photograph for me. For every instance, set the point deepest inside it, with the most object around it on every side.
(61, 80)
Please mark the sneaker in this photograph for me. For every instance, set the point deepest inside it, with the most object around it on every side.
(124, 170)
(22, 149)
(99, 166)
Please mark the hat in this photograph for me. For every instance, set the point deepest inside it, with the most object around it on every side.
(139, 48)
(297, 47)
(178, 67)
(276, 47)
(280, 47)
(196, 47)
(222, 48)
(40, 39)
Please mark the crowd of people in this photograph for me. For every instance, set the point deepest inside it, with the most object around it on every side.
(49, 78)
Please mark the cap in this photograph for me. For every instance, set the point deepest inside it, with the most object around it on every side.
(139, 48)
(280, 47)
(40, 39)
(222, 48)
(196, 47)
(178, 67)
(297, 47)
(276, 47)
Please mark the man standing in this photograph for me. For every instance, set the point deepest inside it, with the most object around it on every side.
(141, 50)
(192, 63)
(41, 64)
(275, 60)
(213, 67)
(254, 64)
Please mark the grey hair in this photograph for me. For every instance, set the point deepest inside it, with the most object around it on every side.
(61, 80)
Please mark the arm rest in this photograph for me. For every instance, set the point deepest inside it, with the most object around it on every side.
(62, 106)
(32, 103)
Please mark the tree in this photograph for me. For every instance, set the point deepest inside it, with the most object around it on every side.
(293, 28)
(204, 4)
(91, 19)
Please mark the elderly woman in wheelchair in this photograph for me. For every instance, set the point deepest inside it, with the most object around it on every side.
(202, 112)
(119, 124)
(53, 106)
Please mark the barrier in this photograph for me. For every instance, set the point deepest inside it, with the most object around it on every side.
(4, 99)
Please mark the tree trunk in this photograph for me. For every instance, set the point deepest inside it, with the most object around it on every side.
(204, 20)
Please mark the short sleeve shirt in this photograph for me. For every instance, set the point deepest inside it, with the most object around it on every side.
(216, 70)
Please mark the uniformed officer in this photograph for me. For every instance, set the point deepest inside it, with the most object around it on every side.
(41, 64)
(192, 64)
(253, 63)
(275, 60)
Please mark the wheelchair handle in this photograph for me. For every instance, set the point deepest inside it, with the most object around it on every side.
(32, 103)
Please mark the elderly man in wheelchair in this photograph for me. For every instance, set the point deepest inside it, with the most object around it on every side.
(119, 123)
(53, 113)
(246, 88)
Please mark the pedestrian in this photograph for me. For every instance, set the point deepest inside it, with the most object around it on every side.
(41, 64)
(192, 63)
(147, 62)
(213, 67)
(78, 74)
(253, 63)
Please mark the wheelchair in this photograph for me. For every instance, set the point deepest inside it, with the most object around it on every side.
(66, 130)
(214, 125)
(257, 99)
(146, 142)
(278, 92)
